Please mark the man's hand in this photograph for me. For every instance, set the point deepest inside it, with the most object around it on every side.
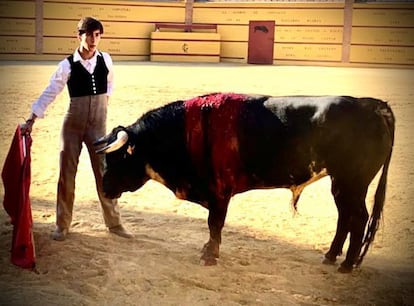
(26, 128)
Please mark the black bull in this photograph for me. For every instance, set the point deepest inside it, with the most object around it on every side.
(209, 148)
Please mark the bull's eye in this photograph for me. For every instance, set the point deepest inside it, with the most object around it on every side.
(117, 157)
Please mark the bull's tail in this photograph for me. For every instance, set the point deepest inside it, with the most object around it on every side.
(379, 198)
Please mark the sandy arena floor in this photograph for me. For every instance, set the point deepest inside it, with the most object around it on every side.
(268, 256)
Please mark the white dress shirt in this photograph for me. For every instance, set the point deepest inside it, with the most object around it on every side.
(60, 77)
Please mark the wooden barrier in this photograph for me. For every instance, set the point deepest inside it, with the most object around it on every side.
(369, 34)
(180, 43)
(185, 27)
(383, 34)
(17, 28)
(283, 14)
(308, 52)
(304, 32)
(185, 46)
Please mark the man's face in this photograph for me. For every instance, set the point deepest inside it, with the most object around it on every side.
(90, 40)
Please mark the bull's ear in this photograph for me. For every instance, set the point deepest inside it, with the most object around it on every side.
(131, 149)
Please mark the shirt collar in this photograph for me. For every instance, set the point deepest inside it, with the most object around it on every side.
(78, 58)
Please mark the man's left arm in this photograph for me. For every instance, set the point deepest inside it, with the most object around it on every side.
(109, 65)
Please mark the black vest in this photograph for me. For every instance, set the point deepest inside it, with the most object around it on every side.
(81, 83)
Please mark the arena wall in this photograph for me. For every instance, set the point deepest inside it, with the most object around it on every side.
(309, 33)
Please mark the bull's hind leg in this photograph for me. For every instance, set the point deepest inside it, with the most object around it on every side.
(342, 230)
(216, 219)
(352, 217)
(358, 221)
(342, 227)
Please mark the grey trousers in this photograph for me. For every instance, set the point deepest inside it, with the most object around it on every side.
(84, 122)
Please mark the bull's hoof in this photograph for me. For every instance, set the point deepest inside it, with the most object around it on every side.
(208, 261)
(345, 268)
(210, 253)
(329, 259)
(210, 250)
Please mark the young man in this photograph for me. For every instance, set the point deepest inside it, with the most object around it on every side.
(89, 77)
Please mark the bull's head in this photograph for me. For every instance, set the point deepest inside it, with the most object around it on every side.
(124, 169)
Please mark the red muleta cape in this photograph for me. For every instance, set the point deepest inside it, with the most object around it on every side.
(16, 177)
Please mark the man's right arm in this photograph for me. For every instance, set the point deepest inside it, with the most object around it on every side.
(56, 84)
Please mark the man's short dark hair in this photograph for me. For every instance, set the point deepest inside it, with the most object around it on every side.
(88, 25)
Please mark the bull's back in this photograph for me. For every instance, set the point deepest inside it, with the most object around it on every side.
(286, 140)
(250, 142)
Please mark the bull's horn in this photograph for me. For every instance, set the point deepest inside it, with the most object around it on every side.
(101, 140)
(121, 139)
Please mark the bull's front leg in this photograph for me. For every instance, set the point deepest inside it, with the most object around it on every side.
(216, 219)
